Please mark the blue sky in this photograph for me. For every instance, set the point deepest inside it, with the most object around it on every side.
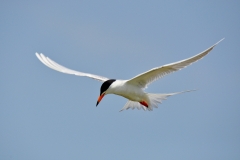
(46, 114)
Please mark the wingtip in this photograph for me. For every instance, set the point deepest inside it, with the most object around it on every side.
(219, 41)
(215, 44)
(38, 54)
(191, 90)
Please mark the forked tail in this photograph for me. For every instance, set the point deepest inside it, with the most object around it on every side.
(154, 99)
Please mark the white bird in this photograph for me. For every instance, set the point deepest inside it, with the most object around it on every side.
(132, 89)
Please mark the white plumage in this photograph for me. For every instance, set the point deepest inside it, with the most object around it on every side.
(132, 89)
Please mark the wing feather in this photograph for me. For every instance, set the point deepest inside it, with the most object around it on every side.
(55, 66)
(142, 80)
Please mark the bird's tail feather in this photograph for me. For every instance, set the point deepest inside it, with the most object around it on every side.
(154, 99)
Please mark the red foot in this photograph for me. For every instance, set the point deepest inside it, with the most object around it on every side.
(144, 103)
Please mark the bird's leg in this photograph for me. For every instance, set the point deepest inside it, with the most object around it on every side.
(144, 103)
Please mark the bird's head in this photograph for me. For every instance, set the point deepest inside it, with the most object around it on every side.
(104, 88)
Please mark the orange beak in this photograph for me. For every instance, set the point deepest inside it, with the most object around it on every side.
(99, 99)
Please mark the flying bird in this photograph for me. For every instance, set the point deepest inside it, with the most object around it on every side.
(132, 89)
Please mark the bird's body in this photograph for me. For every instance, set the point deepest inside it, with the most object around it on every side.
(131, 92)
(132, 89)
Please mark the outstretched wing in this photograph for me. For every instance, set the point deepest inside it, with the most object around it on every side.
(53, 65)
(142, 80)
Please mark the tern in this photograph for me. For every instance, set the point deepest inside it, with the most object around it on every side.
(132, 89)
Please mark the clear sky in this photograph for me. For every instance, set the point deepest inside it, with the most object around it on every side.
(49, 115)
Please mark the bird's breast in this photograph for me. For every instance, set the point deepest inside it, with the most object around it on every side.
(128, 91)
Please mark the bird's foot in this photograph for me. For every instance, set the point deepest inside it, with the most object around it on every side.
(144, 103)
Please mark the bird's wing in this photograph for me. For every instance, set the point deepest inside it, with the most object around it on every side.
(53, 65)
(143, 79)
